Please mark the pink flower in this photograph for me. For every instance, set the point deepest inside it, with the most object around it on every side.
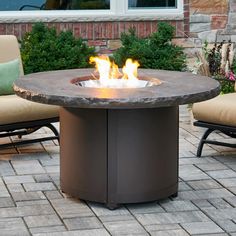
(230, 75)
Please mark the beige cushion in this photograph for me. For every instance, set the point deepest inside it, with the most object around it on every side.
(219, 110)
(14, 109)
(9, 49)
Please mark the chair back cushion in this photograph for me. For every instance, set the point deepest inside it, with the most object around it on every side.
(9, 50)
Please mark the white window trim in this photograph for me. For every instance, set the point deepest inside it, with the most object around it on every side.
(118, 12)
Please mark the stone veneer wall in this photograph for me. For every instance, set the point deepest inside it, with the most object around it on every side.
(213, 20)
(104, 35)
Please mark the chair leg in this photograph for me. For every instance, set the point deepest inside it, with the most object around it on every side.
(54, 130)
(23, 142)
(29, 131)
(50, 126)
(203, 141)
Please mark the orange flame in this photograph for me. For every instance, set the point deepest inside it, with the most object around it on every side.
(130, 69)
(109, 70)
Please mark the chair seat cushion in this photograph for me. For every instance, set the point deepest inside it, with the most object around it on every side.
(14, 109)
(219, 110)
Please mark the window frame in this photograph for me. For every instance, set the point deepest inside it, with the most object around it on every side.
(118, 11)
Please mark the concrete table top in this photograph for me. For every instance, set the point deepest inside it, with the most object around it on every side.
(56, 88)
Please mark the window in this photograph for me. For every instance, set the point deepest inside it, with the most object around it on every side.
(152, 4)
(13, 5)
(89, 10)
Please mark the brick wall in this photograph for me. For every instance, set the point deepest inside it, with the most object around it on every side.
(104, 35)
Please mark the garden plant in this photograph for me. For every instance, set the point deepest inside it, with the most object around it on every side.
(154, 52)
(220, 63)
(43, 49)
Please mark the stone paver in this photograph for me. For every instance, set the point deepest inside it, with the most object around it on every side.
(204, 184)
(18, 179)
(31, 202)
(30, 210)
(92, 232)
(175, 232)
(172, 206)
(221, 174)
(227, 183)
(190, 172)
(145, 208)
(25, 167)
(42, 178)
(53, 195)
(205, 194)
(13, 226)
(172, 218)
(203, 204)
(15, 188)
(227, 225)
(26, 196)
(100, 210)
(212, 167)
(3, 191)
(202, 228)
(42, 221)
(222, 214)
(83, 223)
(39, 186)
(112, 218)
(47, 229)
(219, 203)
(6, 168)
(231, 200)
(68, 208)
(6, 202)
(125, 227)
(162, 227)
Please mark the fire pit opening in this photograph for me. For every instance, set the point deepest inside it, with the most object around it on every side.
(108, 75)
(90, 82)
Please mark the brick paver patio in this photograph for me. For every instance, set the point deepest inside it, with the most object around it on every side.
(31, 202)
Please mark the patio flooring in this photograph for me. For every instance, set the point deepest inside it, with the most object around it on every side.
(31, 202)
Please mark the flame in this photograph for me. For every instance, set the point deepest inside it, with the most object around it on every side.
(103, 66)
(109, 72)
(130, 69)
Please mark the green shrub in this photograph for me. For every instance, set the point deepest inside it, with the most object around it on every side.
(43, 49)
(155, 52)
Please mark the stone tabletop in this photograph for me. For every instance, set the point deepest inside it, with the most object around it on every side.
(176, 88)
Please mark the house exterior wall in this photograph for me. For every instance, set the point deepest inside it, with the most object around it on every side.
(213, 20)
(104, 34)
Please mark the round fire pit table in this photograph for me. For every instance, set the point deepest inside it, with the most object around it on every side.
(118, 145)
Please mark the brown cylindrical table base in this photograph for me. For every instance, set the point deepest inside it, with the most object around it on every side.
(116, 156)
